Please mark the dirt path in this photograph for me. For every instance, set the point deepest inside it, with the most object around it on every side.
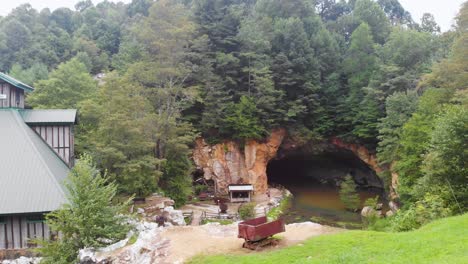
(189, 241)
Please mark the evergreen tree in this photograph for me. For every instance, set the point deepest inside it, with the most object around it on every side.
(428, 24)
(242, 121)
(399, 107)
(348, 194)
(369, 12)
(88, 219)
(359, 65)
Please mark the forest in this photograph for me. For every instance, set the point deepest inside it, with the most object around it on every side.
(149, 77)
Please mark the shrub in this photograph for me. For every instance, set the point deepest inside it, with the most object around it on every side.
(422, 212)
(247, 211)
(376, 223)
(200, 188)
(278, 211)
(348, 194)
(372, 202)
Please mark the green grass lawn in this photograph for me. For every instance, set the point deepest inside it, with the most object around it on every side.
(443, 241)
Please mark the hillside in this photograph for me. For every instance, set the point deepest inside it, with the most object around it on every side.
(443, 241)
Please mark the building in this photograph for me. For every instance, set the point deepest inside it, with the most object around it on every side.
(240, 192)
(36, 154)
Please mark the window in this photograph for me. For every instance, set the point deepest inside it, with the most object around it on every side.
(17, 97)
(35, 219)
(2, 220)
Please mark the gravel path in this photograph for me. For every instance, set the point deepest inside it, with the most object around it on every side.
(189, 241)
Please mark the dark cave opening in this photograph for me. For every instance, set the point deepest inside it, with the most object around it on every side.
(328, 167)
(314, 181)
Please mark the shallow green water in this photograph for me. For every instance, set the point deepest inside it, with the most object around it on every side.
(321, 203)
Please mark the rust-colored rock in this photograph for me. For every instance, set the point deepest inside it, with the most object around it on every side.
(362, 152)
(226, 163)
(371, 160)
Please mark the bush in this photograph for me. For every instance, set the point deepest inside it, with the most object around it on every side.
(278, 211)
(348, 194)
(176, 180)
(376, 223)
(372, 202)
(247, 211)
(432, 207)
(200, 188)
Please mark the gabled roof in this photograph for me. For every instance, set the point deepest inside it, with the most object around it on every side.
(55, 116)
(31, 174)
(15, 82)
(240, 187)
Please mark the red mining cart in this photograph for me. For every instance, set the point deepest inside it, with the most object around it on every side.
(257, 232)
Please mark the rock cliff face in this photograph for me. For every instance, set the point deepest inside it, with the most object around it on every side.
(228, 162)
(371, 160)
(362, 152)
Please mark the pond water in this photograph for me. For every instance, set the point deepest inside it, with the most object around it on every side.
(316, 202)
(313, 182)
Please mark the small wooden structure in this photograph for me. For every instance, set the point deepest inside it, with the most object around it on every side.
(257, 232)
(240, 192)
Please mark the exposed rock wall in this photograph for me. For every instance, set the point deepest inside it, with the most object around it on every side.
(371, 160)
(228, 162)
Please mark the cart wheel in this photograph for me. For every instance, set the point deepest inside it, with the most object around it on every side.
(243, 245)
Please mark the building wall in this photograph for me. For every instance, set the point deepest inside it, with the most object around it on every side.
(15, 96)
(60, 138)
(16, 232)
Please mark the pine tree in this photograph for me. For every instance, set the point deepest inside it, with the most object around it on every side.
(348, 194)
(88, 219)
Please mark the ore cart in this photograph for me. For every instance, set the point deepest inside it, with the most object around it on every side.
(257, 232)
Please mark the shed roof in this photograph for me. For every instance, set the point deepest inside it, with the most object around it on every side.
(15, 82)
(240, 187)
(49, 116)
(31, 173)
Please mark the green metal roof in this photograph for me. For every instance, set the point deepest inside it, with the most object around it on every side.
(31, 173)
(15, 82)
(50, 116)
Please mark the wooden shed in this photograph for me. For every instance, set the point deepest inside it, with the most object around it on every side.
(240, 192)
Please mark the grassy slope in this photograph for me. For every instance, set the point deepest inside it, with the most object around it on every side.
(443, 241)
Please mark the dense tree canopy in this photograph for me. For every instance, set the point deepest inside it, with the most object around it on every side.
(361, 70)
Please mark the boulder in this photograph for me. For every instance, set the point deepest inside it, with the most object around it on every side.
(368, 211)
(140, 210)
(87, 256)
(379, 206)
(393, 206)
(169, 202)
(173, 216)
(21, 260)
(389, 213)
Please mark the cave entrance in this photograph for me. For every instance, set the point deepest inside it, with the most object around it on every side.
(314, 180)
